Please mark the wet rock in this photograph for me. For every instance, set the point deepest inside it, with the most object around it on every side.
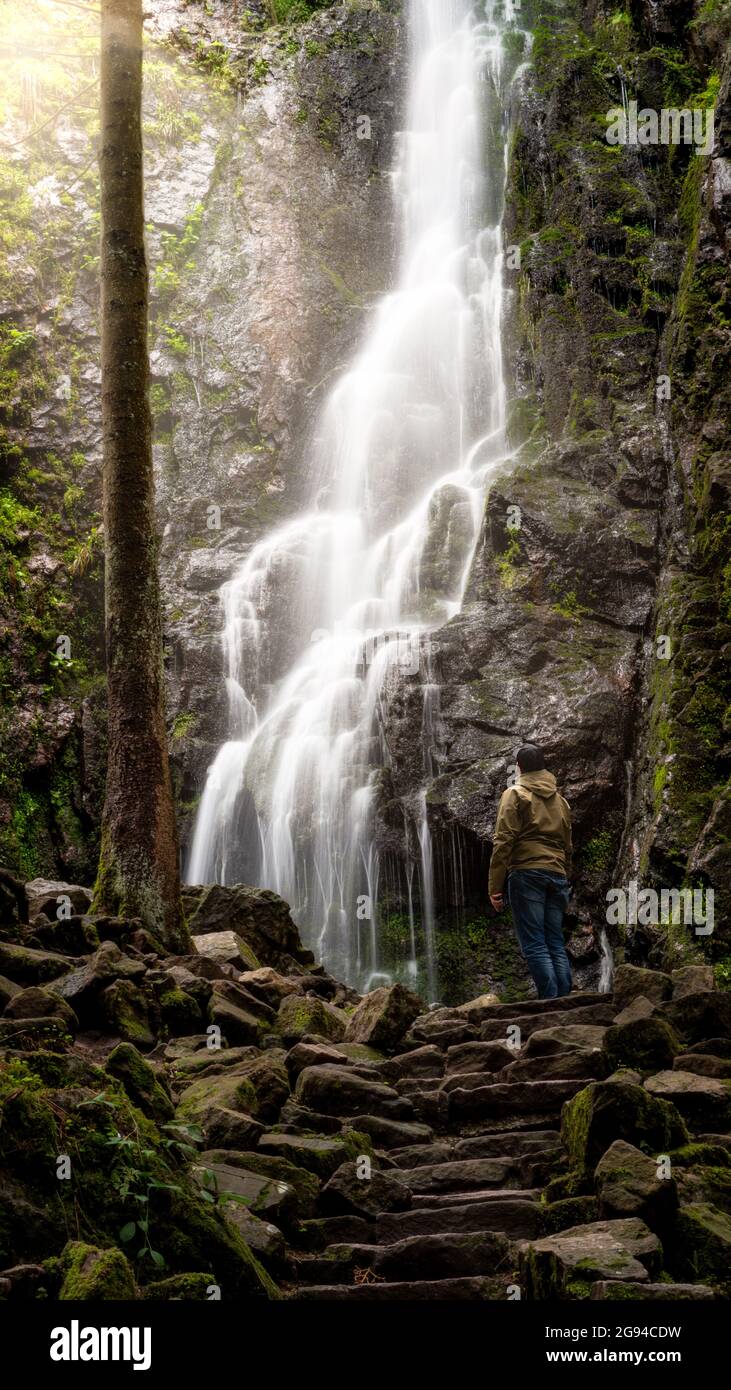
(264, 1238)
(268, 1198)
(126, 1011)
(384, 1017)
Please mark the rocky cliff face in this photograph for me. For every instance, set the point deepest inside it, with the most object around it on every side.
(270, 235)
(596, 626)
(269, 221)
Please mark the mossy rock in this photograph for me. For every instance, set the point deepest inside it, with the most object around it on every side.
(90, 1273)
(127, 1013)
(569, 1211)
(617, 1109)
(230, 1089)
(140, 1082)
(648, 1044)
(180, 1013)
(693, 1155)
(701, 1245)
(179, 1288)
(300, 1014)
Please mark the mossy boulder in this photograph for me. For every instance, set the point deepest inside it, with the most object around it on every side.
(140, 1082)
(568, 1212)
(565, 1265)
(611, 1109)
(180, 1013)
(300, 1014)
(703, 1014)
(180, 1288)
(701, 1245)
(631, 981)
(647, 1044)
(231, 1089)
(127, 1013)
(305, 1183)
(349, 1193)
(99, 1275)
(35, 1002)
(630, 1183)
(26, 966)
(703, 1101)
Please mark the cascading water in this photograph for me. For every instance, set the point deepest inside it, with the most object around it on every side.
(328, 612)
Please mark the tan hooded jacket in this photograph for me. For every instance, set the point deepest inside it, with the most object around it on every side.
(533, 830)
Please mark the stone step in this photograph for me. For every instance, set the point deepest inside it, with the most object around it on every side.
(561, 1066)
(508, 1144)
(431, 1200)
(458, 1176)
(438, 1255)
(518, 1216)
(424, 1153)
(527, 1097)
(582, 999)
(420, 1290)
(598, 1014)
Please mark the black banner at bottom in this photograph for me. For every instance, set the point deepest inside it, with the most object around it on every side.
(155, 1340)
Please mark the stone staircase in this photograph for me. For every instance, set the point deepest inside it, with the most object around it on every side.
(472, 1176)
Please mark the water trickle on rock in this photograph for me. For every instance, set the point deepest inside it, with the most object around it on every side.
(329, 616)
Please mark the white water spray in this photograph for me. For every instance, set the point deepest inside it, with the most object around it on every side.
(330, 614)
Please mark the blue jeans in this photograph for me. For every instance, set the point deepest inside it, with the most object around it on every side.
(538, 901)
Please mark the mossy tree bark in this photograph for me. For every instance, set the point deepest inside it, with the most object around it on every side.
(139, 870)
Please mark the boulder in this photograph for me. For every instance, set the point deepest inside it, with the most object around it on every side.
(83, 987)
(269, 986)
(703, 1014)
(702, 1065)
(632, 980)
(573, 1037)
(477, 1010)
(690, 979)
(627, 1184)
(7, 989)
(476, 1056)
(180, 1013)
(179, 1288)
(126, 1012)
(140, 1081)
(318, 1155)
(226, 948)
(612, 1109)
(35, 1002)
(42, 895)
(703, 1101)
(566, 1264)
(656, 1293)
(384, 1017)
(96, 1275)
(229, 1129)
(25, 966)
(311, 1055)
(232, 1090)
(640, 1007)
(258, 916)
(701, 1245)
(267, 1073)
(305, 1184)
(266, 1197)
(72, 936)
(264, 1238)
(300, 1014)
(338, 1091)
(348, 1194)
(646, 1044)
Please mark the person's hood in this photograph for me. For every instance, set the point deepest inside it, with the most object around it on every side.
(543, 783)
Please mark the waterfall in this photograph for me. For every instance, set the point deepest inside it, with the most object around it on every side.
(331, 614)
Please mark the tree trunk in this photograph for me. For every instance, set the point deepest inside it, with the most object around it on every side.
(139, 872)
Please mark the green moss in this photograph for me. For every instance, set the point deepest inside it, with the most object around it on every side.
(89, 1273)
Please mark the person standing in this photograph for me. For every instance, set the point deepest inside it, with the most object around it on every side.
(531, 862)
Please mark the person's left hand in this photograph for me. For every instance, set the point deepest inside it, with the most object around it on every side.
(497, 901)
